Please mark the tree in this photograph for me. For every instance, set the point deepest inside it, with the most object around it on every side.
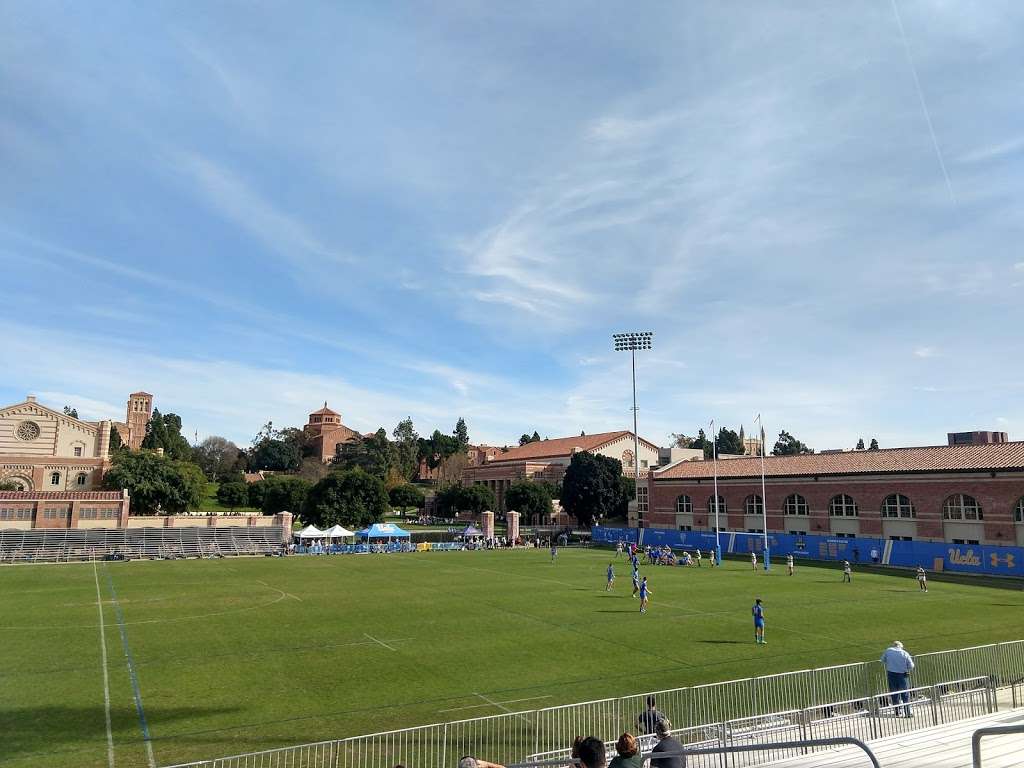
(860, 444)
(284, 493)
(701, 442)
(69, 411)
(9, 485)
(592, 487)
(164, 431)
(729, 442)
(461, 432)
(529, 499)
(217, 457)
(257, 493)
(351, 498)
(406, 496)
(438, 448)
(116, 443)
(679, 440)
(464, 498)
(234, 494)
(375, 455)
(406, 448)
(276, 455)
(874, 445)
(156, 483)
(787, 445)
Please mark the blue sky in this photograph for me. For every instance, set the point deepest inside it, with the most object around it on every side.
(446, 210)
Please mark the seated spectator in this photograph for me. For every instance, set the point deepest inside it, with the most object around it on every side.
(628, 756)
(473, 762)
(590, 752)
(666, 743)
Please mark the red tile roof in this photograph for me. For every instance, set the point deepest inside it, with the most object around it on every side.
(61, 495)
(325, 411)
(561, 446)
(939, 458)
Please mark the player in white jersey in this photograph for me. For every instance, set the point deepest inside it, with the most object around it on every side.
(922, 579)
(790, 568)
(753, 561)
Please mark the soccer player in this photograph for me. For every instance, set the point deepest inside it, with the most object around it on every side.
(698, 558)
(758, 613)
(618, 549)
(922, 579)
(711, 558)
(554, 551)
(611, 578)
(753, 560)
(847, 572)
(790, 568)
(645, 592)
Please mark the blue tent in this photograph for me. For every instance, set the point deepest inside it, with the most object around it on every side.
(383, 531)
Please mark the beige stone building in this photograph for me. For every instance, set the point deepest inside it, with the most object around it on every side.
(44, 450)
(326, 432)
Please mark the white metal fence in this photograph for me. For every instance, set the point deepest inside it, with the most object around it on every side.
(845, 700)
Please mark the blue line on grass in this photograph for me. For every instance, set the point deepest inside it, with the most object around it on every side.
(131, 668)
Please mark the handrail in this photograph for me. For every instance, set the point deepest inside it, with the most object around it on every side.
(992, 730)
(686, 752)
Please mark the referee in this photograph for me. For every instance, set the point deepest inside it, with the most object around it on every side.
(898, 666)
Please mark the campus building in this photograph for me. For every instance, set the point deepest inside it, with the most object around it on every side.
(970, 494)
(548, 459)
(326, 432)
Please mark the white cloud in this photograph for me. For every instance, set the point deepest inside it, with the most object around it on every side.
(925, 352)
(994, 151)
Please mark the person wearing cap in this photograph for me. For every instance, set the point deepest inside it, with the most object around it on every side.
(898, 666)
(666, 743)
(628, 749)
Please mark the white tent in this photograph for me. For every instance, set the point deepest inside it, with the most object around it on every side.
(310, 532)
(337, 532)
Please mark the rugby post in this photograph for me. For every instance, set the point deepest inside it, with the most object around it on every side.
(764, 499)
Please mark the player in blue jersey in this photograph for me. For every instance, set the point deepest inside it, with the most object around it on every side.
(554, 551)
(758, 613)
(611, 578)
(645, 592)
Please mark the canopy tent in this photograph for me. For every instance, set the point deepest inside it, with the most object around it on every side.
(472, 531)
(383, 531)
(310, 532)
(337, 532)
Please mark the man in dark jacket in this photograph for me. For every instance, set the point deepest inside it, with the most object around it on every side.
(666, 743)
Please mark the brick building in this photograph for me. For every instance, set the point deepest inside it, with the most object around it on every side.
(962, 493)
(547, 460)
(325, 433)
(63, 509)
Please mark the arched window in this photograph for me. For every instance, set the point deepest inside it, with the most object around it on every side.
(721, 505)
(753, 505)
(1018, 513)
(627, 458)
(898, 505)
(842, 506)
(81, 478)
(795, 504)
(55, 478)
(684, 506)
(960, 506)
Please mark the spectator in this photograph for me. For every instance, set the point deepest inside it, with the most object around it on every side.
(590, 752)
(898, 666)
(647, 721)
(628, 756)
(874, 555)
(666, 743)
(473, 762)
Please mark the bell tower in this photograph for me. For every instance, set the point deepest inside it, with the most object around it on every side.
(140, 408)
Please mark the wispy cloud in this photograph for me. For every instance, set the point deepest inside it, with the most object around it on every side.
(925, 352)
(994, 151)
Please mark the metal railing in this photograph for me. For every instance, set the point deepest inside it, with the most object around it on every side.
(849, 700)
(995, 730)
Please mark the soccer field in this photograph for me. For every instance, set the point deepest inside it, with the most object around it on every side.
(246, 654)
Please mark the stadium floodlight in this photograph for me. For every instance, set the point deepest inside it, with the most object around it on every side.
(631, 342)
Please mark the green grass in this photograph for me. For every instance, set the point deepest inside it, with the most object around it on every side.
(210, 506)
(246, 654)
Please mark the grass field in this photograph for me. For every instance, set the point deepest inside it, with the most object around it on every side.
(244, 654)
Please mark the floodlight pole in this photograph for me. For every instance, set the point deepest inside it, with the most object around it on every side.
(632, 342)
(714, 462)
(764, 502)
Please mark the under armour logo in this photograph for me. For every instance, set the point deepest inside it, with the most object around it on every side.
(995, 559)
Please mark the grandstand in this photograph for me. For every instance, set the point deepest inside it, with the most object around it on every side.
(42, 545)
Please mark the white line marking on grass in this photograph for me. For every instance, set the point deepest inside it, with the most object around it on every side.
(379, 642)
(497, 704)
(106, 676)
(480, 706)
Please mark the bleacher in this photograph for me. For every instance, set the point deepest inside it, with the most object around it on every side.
(41, 545)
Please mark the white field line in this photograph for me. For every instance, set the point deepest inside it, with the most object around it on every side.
(505, 709)
(481, 706)
(379, 642)
(106, 677)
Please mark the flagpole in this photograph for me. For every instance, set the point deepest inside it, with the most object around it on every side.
(714, 461)
(764, 501)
